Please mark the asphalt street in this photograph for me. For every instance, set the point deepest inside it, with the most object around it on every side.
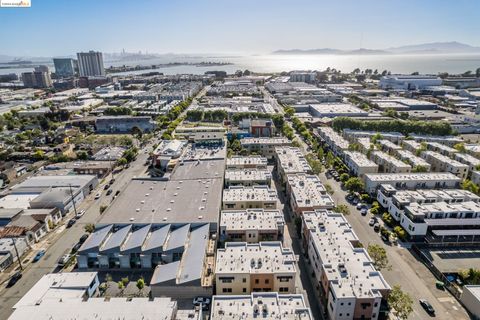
(63, 241)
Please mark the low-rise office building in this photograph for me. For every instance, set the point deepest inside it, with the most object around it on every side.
(290, 160)
(388, 164)
(441, 163)
(247, 177)
(359, 164)
(350, 285)
(165, 155)
(243, 268)
(252, 225)
(425, 180)
(250, 162)
(264, 146)
(269, 305)
(307, 193)
(201, 135)
(241, 197)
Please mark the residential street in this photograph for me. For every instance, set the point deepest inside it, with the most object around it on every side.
(410, 273)
(65, 239)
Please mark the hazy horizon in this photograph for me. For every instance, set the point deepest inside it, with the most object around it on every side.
(59, 28)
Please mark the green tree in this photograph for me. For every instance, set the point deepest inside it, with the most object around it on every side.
(470, 186)
(140, 284)
(401, 302)
(320, 154)
(354, 184)
(419, 168)
(344, 177)
(89, 228)
(289, 111)
(82, 155)
(341, 208)
(379, 256)
(329, 159)
(122, 161)
(460, 147)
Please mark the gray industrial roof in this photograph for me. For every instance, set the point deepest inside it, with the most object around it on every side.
(180, 201)
(116, 239)
(56, 181)
(165, 272)
(95, 240)
(9, 213)
(177, 238)
(203, 169)
(136, 239)
(194, 256)
(156, 239)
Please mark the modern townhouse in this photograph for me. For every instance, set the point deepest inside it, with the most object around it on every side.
(350, 286)
(290, 160)
(359, 164)
(307, 193)
(252, 225)
(441, 163)
(243, 268)
(241, 197)
(389, 164)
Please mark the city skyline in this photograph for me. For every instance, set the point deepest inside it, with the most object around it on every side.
(216, 27)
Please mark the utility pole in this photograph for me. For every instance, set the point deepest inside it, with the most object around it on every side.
(73, 200)
(18, 256)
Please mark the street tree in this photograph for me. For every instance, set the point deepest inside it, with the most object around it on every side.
(379, 256)
(354, 184)
(401, 302)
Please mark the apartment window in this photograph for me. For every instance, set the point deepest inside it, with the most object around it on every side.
(267, 281)
(374, 315)
(348, 314)
(340, 314)
(244, 290)
(349, 303)
(375, 304)
(283, 289)
(226, 290)
(244, 280)
(257, 281)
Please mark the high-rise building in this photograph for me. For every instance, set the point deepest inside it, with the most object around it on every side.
(64, 67)
(36, 79)
(90, 64)
(42, 68)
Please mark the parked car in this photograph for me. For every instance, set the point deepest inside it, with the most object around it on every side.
(117, 192)
(71, 222)
(385, 237)
(360, 206)
(80, 213)
(16, 276)
(350, 197)
(98, 195)
(111, 181)
(376, 227)
(109, 192)
(427, 306)
(83, 238)
(203, 301)
(64, 259)
(76, 247)
(39, 255)
(363, 211)
(106, 187)
(371, 222)
(355, 201)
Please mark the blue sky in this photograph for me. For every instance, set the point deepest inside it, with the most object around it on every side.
(52, 28)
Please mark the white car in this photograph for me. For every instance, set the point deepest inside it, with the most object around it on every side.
(98, 195)
(371, 222)
(80, 213)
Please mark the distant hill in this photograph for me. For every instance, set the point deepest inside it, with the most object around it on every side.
(425, 48)
(436, 47)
